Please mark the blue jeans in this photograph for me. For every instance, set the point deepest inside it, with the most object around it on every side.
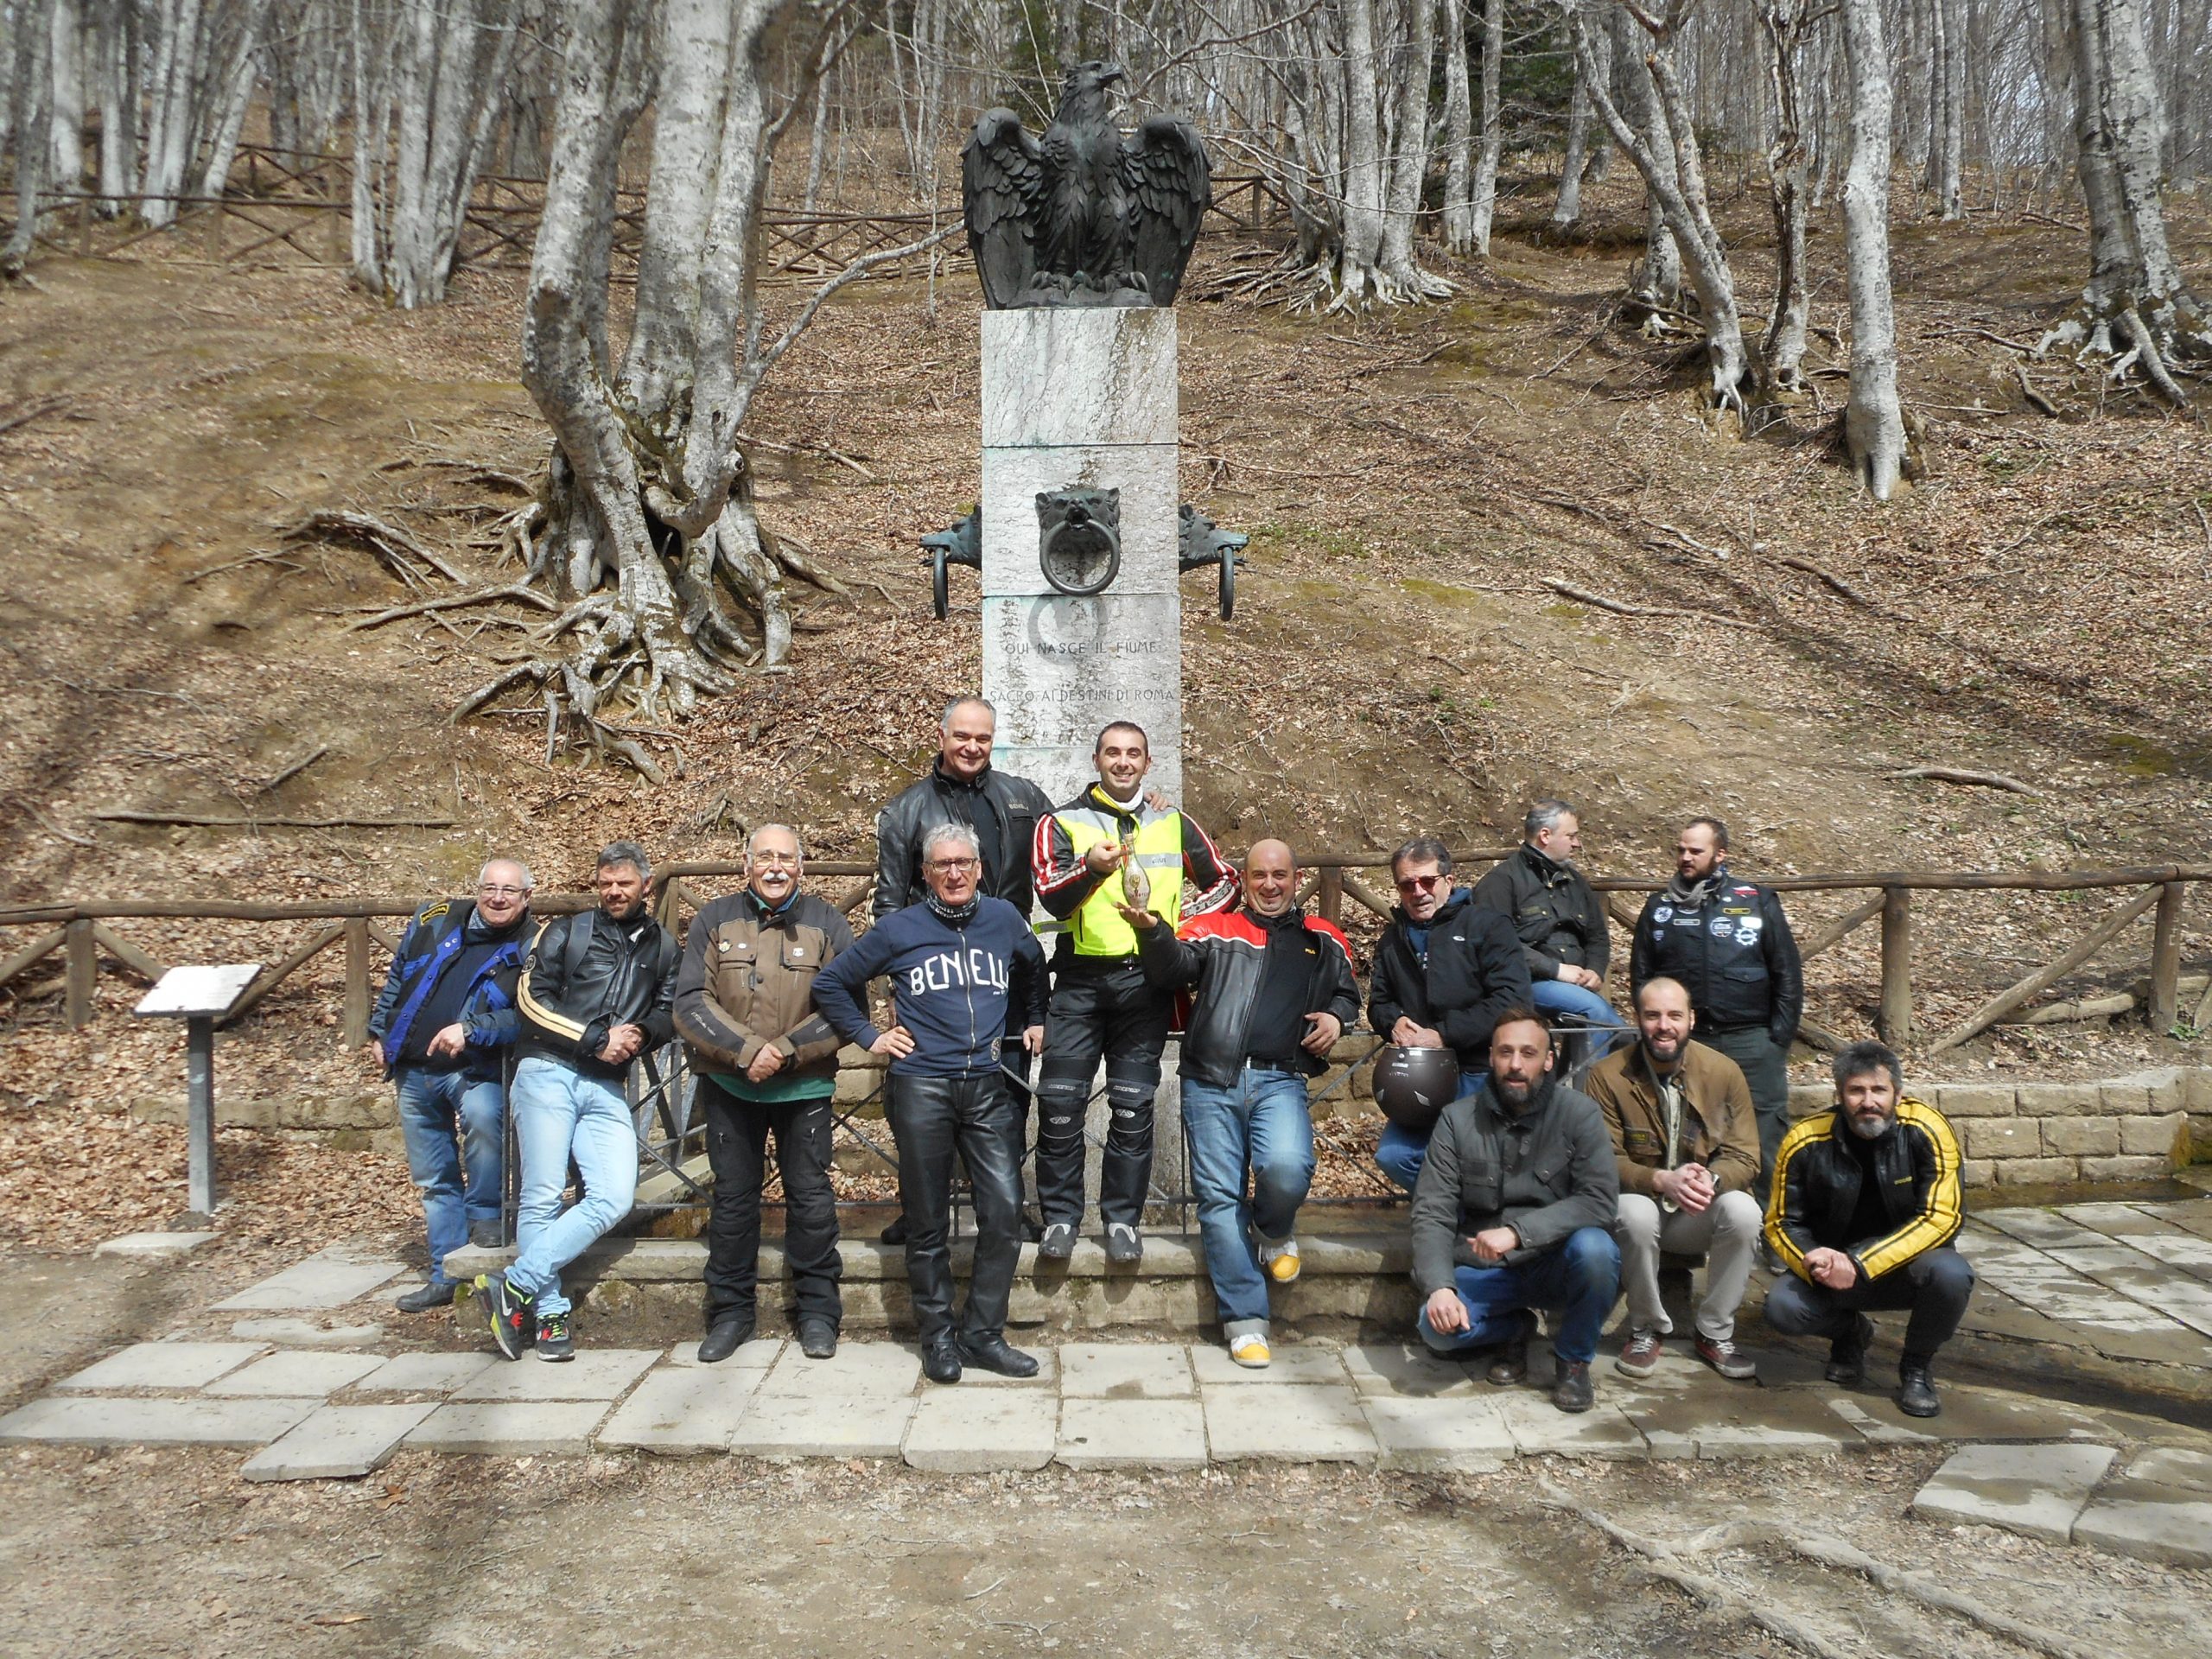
(460, 1178)
(1576, 1278)
(1401, 1152)
(1557, 996)
(1259, 1125)
(560, 1113)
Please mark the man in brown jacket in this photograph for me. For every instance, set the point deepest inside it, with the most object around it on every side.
(1688, 1144)
(765, 1060)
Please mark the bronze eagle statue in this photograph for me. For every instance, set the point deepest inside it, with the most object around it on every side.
(1086, 215)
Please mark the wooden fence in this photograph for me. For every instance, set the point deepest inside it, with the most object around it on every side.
(81, 931)
(281, 209)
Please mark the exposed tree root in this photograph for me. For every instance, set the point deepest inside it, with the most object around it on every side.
(400, 550)
(2119, 342)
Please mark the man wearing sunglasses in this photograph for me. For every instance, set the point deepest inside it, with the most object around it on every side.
(1445, 968)
(440, 1031)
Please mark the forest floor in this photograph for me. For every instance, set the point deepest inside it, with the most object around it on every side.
(2033, 605)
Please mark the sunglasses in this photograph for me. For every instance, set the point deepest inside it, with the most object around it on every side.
(1419, 883)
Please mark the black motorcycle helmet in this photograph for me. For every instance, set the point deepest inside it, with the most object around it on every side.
(1414, 1085)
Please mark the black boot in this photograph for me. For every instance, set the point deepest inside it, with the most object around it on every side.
(896, 1232)
(1848, 1354)
(1916, 1388)
(941, 1359)
(1571, 1390)
(725, 1336)
(991, 1354)
(1511, 1367)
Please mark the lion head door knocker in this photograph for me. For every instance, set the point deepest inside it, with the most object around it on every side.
(1079, 539)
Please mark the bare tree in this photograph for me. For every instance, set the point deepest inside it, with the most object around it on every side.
(1579, 157)
(1484, 199)
(1787, 23)
(2137, 313)
(1873, 422)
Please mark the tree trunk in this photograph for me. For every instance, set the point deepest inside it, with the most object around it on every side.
(1458, 132)
(1655, 285)
(1408, 158)
(1784, 349)
(1483, 204)
(1873, 422)
(1363, 212)
(1577, 158)
(66, 128)
(31, 100)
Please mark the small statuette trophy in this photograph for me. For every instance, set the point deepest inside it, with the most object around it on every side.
(1136, 886)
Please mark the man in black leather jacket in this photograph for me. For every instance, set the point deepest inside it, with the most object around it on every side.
(1445, 968)
(597, 990)
(1727, 941)
(962, 786)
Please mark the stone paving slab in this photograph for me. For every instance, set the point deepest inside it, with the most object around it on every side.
(757, 1355)
(1131, 1433)
(2173, 1466)
(165, 1365)
(1099, 1370)
(2035, 1491)
(1538, 1427)
(865, 1370)
(1450, 1435)
(1890, 1428)
(297, 1374)
(1291, 1422)
(426, 1373)
(329, 1278)
(1748, 1421)
(154, 1246)
(958, 1432)
(683, 1410)
(593, 1374)
(93, 1420)
(2152, 1522)
(512, 1428)
(1405, 1371)
(827, 1425)
(305, 1333)
(337, 1443)
(1293, 1364)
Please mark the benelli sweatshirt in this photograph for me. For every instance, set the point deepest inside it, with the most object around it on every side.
(952, 982)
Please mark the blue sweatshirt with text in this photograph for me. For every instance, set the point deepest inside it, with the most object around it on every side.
(952, 984)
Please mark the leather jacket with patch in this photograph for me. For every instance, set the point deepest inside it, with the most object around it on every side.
(1817, 1176)
(1733, 953)
(1220, 959)
(747, 983)
(1558, 915)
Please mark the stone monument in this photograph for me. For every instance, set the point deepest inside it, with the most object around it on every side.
(1081, 240)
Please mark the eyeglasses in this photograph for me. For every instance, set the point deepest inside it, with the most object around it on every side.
(777, 860)
(502, 892)
(1419, 883)
(953, 866)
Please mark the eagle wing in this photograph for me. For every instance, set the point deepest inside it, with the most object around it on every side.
(1170, 186)
(1001, 177)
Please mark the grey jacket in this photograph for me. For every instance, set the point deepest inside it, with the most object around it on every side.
(1544, 1173)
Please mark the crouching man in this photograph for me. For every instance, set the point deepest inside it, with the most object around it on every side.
(1271, 990)
(957, 962)
(1513, 1210)
(1866, 1204)
(1687, 1148)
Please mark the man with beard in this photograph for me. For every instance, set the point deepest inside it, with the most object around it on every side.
(958, 962)
(767, 1062)
(1445, 968)
(1515, 1211)
(1727, 942)
(1866, 1204)
(1686, 1149)
(596, 993)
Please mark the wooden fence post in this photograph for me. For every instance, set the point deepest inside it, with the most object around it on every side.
(1896, 967)
(357, 980)
(1331, 895)
(81, 973)
(2165, 960)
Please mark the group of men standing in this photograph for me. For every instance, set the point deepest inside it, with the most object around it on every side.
(1528, 1193)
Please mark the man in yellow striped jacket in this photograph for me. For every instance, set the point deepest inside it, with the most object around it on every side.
(1865, 1206)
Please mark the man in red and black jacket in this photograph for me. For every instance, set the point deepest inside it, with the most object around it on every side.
(1271, 989)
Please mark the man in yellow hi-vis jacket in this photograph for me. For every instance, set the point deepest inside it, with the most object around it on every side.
(1109, 847)
(1865, 1206)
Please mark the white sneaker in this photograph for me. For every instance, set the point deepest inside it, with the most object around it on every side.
(1281, 1261)
(1250, 1350)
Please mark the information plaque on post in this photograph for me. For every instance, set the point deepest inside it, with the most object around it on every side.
(199, 997)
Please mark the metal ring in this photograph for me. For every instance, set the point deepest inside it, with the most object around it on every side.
(1081, 590)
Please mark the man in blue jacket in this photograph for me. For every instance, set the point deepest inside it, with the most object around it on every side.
(441, 1026)
(957, 962)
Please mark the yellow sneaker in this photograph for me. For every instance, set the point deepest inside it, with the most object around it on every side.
(1281, 1261)
(1250, 1350)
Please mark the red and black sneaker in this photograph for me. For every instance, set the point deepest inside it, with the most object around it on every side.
(514, 1324)
(553, 1341)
